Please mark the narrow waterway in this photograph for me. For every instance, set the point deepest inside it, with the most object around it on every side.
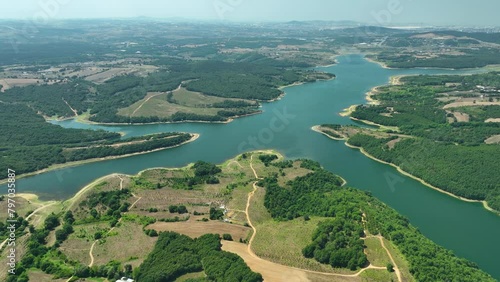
(466, 228)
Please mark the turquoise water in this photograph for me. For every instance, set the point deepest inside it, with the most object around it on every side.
(466, 228)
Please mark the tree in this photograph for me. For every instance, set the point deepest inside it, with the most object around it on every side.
(182, 210)
(227, 237)
(68, 217)
(390, 267)
(51, 222)
(94, 213)
(98, 235)
(173, 209)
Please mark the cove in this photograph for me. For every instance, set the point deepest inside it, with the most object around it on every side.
(466, 228)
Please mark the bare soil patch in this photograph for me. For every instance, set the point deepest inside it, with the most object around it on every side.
(493, 140)
(17, 82)
(461, 117)
(138, 246)
(196, 229)
(470, 103)
(393, 143)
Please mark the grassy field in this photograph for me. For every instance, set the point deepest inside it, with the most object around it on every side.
(400, 260)
(191, 276)
(77, 246)
(156, 104)
(278, 245)
(374, 275)
(38, 275)
(375, 253)
(195, 229)
(282, 242)
(138, 245)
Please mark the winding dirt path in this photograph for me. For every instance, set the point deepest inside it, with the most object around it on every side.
(73, 110)
(396, 268)
(145, 101)
(273, 271)
(29, 216)
(110, 230)
(152, 96)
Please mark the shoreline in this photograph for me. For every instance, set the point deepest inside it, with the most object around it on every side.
(380, 126)
(383, 65)
(317, 129)
(400, 170)
(83, 118)
(33, 196)
(348, 111)
(194, 137)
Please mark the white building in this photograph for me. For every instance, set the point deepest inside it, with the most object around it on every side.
(125, 279)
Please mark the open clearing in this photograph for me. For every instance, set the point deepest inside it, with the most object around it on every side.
(139, 245)
(461, 117)
(470, 103)
(493, 140)
(375, 253)
(8, 83)
(106, 74)
(282, 242)
(182, 101)
(195, 229)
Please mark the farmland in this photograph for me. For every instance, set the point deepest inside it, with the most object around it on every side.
(165, 105)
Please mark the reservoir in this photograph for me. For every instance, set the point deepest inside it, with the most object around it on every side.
(466, 228)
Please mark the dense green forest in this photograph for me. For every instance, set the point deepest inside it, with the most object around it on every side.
(451, 156)
(465, 171)
(29, 143)
(175, 255)
(337, 240)
(230, 80)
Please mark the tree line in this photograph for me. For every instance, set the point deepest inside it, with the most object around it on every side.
(336, 241)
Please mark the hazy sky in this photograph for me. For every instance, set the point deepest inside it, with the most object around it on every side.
(384, 12)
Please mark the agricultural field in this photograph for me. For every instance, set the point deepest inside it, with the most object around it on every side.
(181, 100)
(8, 83)
(204, 199)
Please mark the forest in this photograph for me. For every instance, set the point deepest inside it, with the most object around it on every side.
(29, 143)
(451, 156)
(250, 81)
(336, 240)
(175, 255)
(465, 171)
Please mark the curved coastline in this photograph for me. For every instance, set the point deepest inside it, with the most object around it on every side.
(80, 119)
(400, 170)
(194, 137)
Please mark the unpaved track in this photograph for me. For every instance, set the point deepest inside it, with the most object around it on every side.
(142, 104)
(152, 96)
(95, 242)
(29, 216)
(273, 271)
(73, 110)
(396, 268)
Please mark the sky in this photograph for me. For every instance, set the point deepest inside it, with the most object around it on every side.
(381, 12)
